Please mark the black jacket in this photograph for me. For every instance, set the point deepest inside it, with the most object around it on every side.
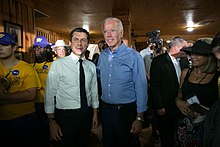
(212, 126)
(164, 84)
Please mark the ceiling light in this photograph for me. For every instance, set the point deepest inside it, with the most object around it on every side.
(86, 26)
(190, 29)
(168, 41)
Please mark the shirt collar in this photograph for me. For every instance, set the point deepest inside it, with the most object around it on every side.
(174, 59)
(118, 50)
(171, 56)
(75, 58)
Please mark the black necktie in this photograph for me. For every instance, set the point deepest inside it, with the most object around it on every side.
(83, 98)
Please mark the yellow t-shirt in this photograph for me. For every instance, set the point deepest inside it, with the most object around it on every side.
(42, 70)
(22, 77)
(55, 58)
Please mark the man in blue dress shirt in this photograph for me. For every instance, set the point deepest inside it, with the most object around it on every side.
(124, 88)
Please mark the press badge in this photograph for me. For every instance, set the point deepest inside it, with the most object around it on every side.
(193, 99)
(45, 67)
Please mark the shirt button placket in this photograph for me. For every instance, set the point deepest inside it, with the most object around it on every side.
(109, 85)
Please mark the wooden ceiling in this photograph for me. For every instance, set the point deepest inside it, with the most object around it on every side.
(169, 16)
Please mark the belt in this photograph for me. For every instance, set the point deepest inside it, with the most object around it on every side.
(76, 110)
(118, 106)
(70, 110)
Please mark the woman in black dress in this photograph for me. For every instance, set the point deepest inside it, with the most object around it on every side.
(199, 85)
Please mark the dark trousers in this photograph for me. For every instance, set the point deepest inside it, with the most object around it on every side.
(166, 128)
(20, 132)
(75, 126)
(44, 129)
(116, 125)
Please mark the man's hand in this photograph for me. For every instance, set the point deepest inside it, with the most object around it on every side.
(161, 111)
(95, 118)
(55, 131)
(95, 121)
(136, 127)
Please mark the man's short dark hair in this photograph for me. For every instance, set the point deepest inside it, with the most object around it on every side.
(79, 30)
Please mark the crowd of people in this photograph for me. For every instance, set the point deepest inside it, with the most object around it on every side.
(57, 100)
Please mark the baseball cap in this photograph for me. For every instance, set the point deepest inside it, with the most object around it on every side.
(6, 38)
(40, 41)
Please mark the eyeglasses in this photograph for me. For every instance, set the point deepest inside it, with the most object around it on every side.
(83, 40)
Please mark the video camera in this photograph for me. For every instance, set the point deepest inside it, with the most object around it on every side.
(154, 37)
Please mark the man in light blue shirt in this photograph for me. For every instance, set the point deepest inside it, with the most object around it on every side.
(70, 123)
(124, 87)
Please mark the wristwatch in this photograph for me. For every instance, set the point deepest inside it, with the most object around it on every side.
(51, 119)
(140, 118)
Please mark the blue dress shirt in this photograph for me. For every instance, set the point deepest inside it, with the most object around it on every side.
(123, 77)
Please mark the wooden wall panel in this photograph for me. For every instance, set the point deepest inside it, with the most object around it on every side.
(19, 12)
(31, 27)
(1, 16)
(22, 12)
(5, 10)
(52, 37)
(12, 11)
(25, 25)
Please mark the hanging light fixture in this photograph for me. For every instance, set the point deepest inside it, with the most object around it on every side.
(190, 25)
(190, 29)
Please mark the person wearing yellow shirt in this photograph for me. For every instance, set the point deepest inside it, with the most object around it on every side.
(19, 83)
(42, 66)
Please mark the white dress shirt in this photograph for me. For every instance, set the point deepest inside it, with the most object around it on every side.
(177, 67)
(145, 52)
(63, 82)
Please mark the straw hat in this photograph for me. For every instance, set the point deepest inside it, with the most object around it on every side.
(58, 43)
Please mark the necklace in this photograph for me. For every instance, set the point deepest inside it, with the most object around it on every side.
(198, 75)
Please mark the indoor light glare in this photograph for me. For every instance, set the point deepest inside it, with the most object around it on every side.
(190, 24)
(190, 29)
(86, 27)
(168, 41)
